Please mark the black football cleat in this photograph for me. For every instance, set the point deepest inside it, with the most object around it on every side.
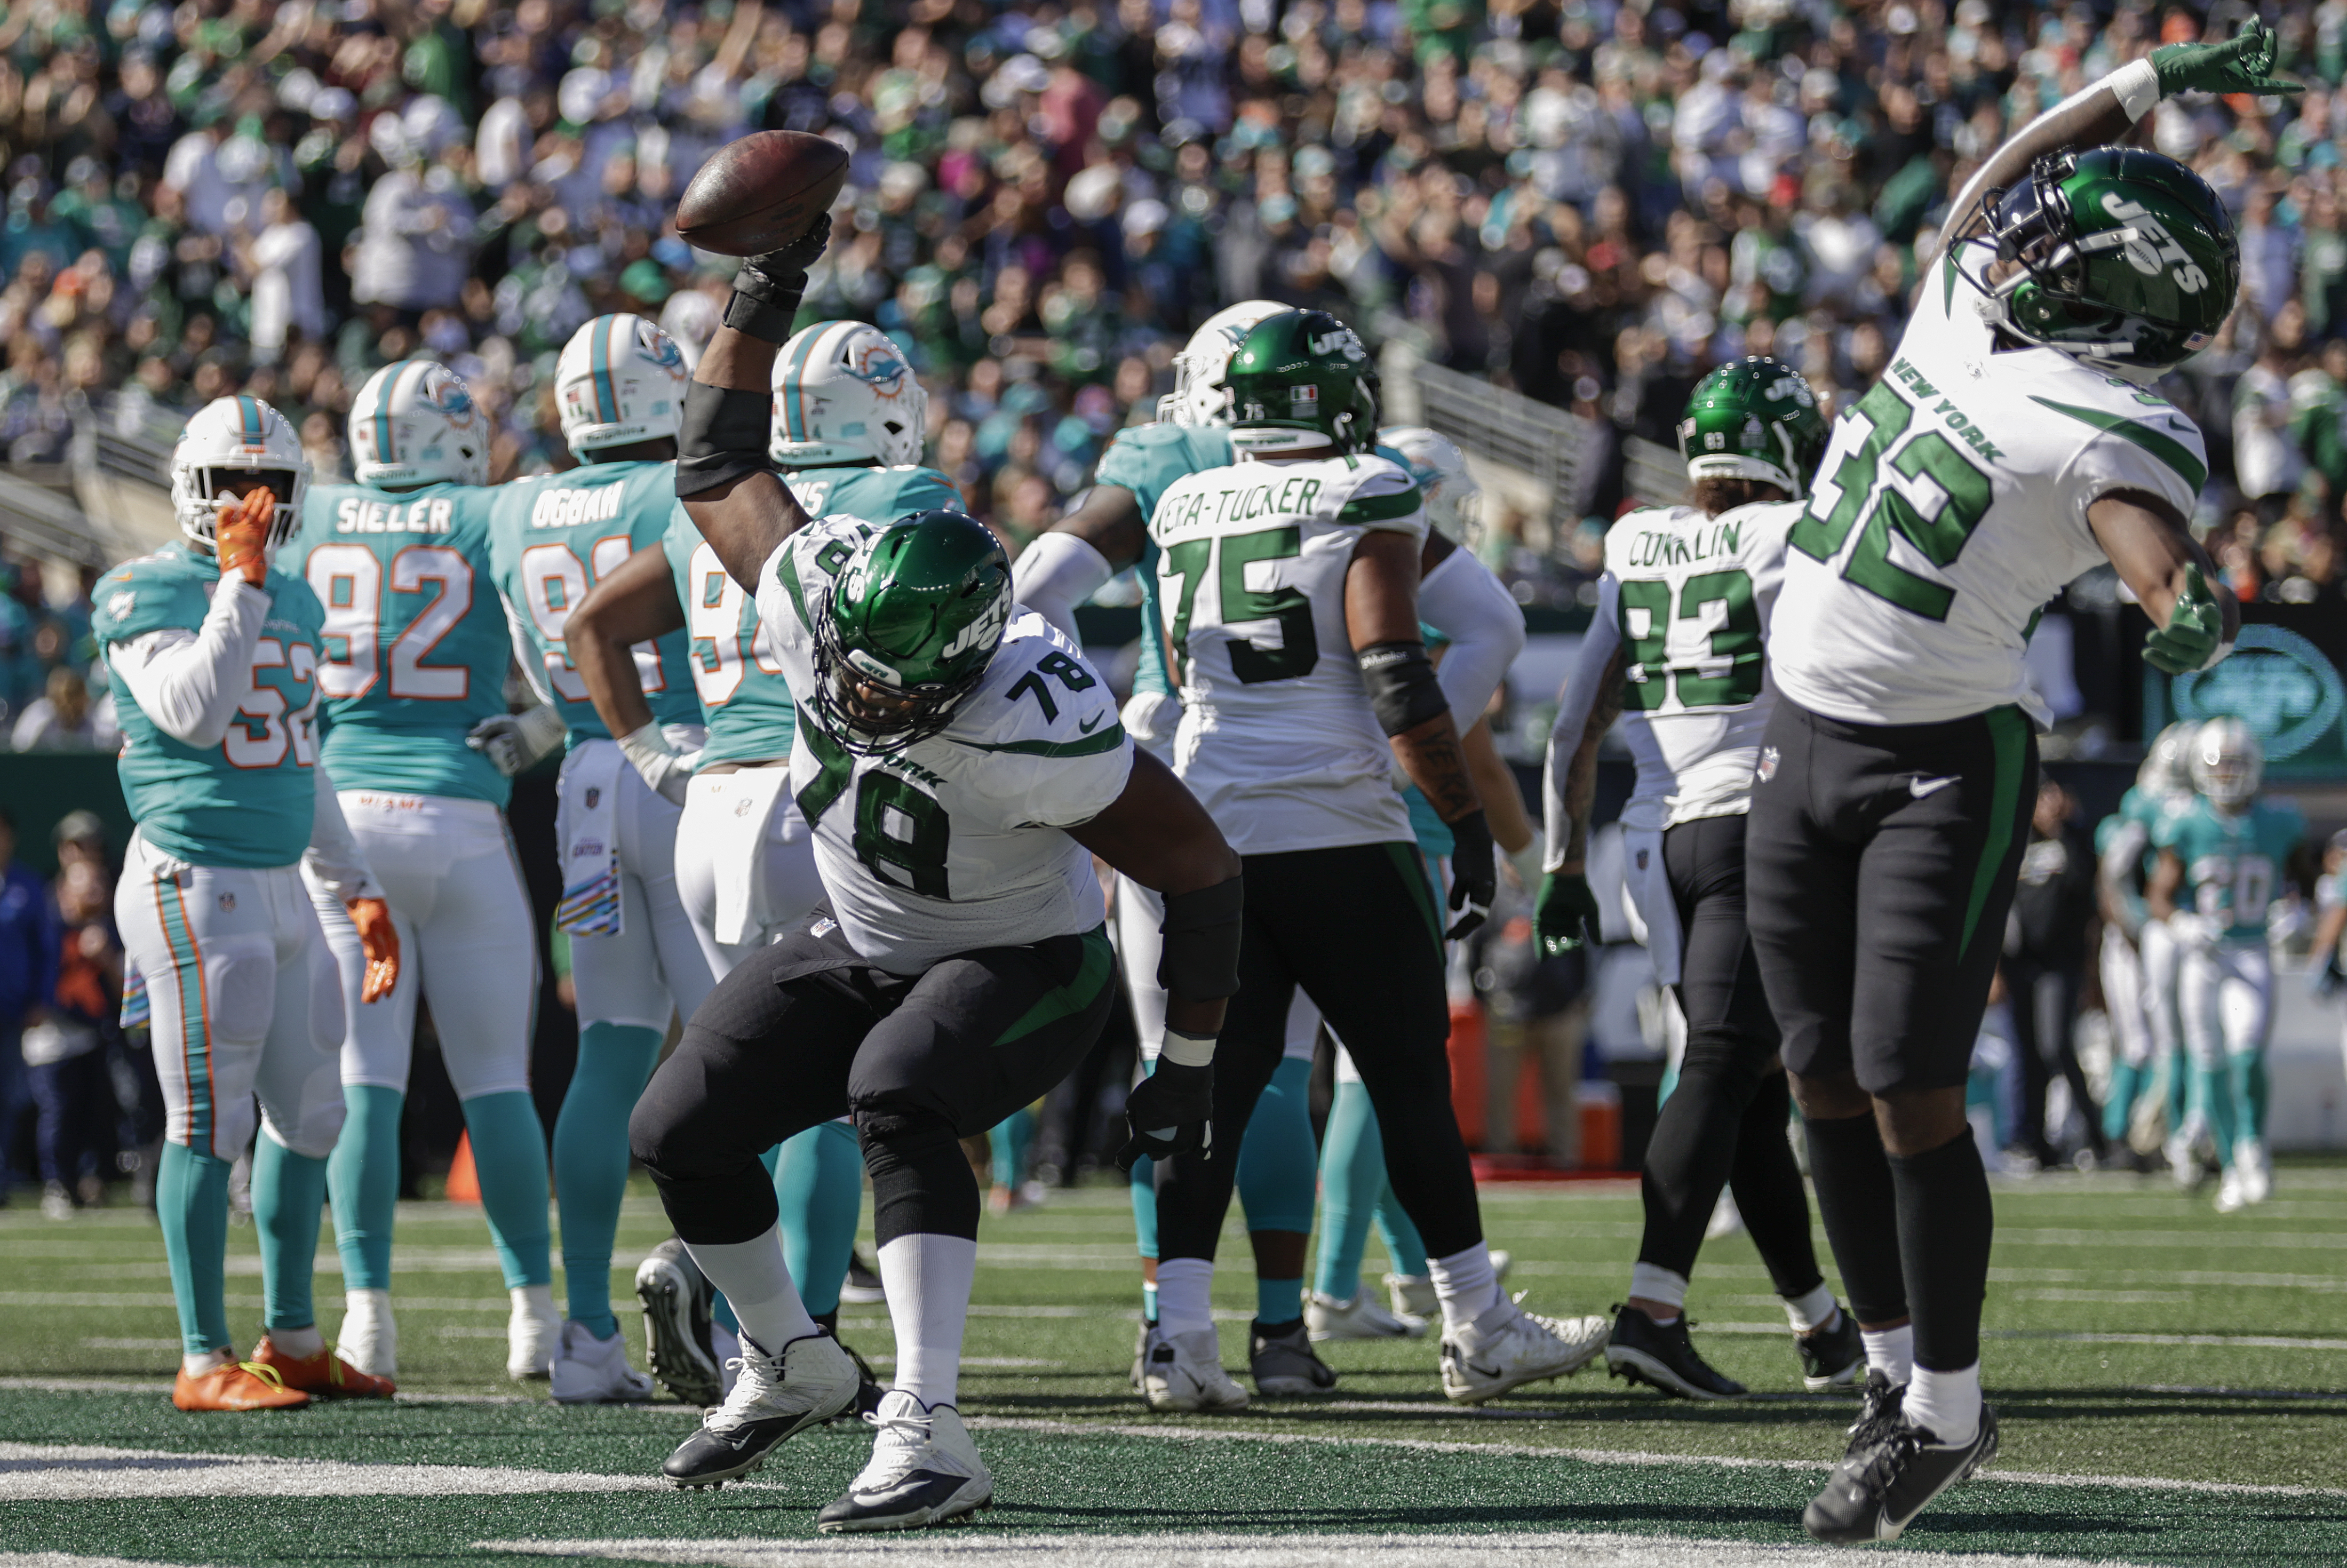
(1888, 1478)
(1832, 1357)
(1660, 1355)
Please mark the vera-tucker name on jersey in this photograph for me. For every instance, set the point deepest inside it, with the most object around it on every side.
(1271, 497)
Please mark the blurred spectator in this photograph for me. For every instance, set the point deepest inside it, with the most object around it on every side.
(29, 983)
(287, 292)
(64, 719)
(65, 1059)
(2047, 943)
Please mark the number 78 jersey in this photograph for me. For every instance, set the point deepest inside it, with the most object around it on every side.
(1951, 506)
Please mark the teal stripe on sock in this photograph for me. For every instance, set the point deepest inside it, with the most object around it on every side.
(2247, 1073)
(590, 1161)
(1403, 1247)
(2125, 1082)
(2212, 1089)
(1278, 1165)
(1007, 1143)
(819, 1187)
(289, 1199)
(1352, 1175)
(509, 1161)
(191, 1203)
(363, 1179)
(1279, 1300)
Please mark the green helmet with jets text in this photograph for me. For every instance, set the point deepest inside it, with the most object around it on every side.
(914, 616)
(2126, 260)
(1299, 379)
(1754, 419)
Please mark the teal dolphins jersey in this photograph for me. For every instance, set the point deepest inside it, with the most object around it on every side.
(555, 536)
(247, 801)
(1146, 459)
(416, 643)
(2232, 864)
(744, 697)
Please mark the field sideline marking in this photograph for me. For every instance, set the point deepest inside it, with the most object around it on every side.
(75, 1473)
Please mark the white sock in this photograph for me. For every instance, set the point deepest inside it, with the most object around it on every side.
(1652, 1282)
(1185, 1294)
(1463, 1283)
(757, 1281)
(927, 1279)
(204, 1361)
(537, 1300)
(299, 1343)
(1945, 1404)
(1891, 1352)
(1810, 1313)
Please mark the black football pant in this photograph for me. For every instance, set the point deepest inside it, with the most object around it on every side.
(806, 1031)
(1357, 928)
(1724, 1123)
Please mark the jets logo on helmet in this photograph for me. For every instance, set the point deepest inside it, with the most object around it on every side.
(415, 423)
(2227, 764)
(844, 392)
(1300, 380)
(907, 629)
(233, 437)
(1199, 396)
(620, 380)
(1434, 460)
(1754, 419)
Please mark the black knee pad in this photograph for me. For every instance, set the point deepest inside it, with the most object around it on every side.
(921, 1184)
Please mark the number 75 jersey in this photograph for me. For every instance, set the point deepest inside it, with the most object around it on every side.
(1951, 506)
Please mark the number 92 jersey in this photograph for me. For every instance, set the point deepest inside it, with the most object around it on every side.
(2232, 864)
(950, 844)
(1951, 506)
(1690, 598)
(1278, 739)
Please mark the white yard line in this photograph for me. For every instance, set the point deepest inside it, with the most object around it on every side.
(53, 1472)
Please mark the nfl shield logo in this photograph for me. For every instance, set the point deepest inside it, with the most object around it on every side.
(227, 902)
(1767, 768)
(594, 797)
(1641, 858)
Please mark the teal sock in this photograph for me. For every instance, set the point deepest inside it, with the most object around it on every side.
(1352, 1175)
(2213, 1093)
(1278, 1166)
(2179, 1080)
(2247, 1072)
(289, 1201)
(1007, 1143)
(509, 1162)
(819, 1184)
(720, 1309)
(1402, 1244)
(1279, 1300)
(192, 1203)
(591, 1162)
(2126, 1083)
(363, 1179)
(1143, 1187)
(1148, 1302)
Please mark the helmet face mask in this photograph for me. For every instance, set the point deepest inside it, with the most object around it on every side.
(907, 628)
(1757, 419)
(1301, 380)
(844, 394)
(620, 380)
(1449, 488)
(1199, 397)
(415, 423)
(2228, 764)
(233, 439)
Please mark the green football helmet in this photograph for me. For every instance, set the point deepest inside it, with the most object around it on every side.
(2128, 260)
(912, 620)
(1299, 379)
(1754, 419)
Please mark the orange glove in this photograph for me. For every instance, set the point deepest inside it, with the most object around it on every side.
(380, 941)
(242, 535)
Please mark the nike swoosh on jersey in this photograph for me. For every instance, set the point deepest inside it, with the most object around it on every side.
(1088, 726)
(1919, 787)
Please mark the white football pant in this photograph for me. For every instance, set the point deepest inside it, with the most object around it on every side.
(2128, 1000)
(711, 848)
(656, 961)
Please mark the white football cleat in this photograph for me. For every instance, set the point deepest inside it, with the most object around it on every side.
(1362, 1317)
(531, 1333)
(924, 1470)
(368, 1338)
(1183, 1373)
(2183, 1163)
(773, 1399)
(2232, 1192)
(1507, 1347)
(2256, 1166)
(1414, 1296)
(678, 1346)
(591, 1371)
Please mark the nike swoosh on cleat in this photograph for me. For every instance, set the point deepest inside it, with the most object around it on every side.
(1919, 787)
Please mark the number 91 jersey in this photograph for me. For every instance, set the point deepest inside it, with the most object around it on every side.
(1277, 740)
(1951, 506)
(1690, 599)
(952, 842)
(2232, 864)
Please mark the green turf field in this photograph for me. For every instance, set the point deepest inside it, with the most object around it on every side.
(2172, 1383)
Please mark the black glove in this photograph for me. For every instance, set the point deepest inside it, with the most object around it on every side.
(1171, 1112)
(767, 289)
(1474, 879)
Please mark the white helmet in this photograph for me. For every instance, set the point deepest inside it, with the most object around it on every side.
(1198, 397)
(844, 394)
(620, 380)
(1435, 461)
(2227, 764)
(236, 435)
(415, 423)
(2167, 771)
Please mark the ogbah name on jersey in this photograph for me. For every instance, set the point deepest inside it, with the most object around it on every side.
(565, 509)
(432, 514)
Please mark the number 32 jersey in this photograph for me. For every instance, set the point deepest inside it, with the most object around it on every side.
(953, 842)
(1951, 506)
(1687, 599)
(1278, 739)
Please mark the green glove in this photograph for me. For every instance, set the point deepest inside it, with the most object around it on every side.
(2193, 638)
(2237, 66)
(1564, 916)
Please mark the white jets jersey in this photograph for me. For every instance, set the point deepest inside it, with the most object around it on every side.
(1278, 739)
(1951, 506)
(954, 842)
(1687, 599)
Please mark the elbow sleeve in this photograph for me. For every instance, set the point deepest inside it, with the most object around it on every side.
(1403, 692)
(1056, 573)
(1199, 961)
(723, 438)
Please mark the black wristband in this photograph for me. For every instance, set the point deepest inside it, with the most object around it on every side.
(769, 321)
(723, 436)
(1200, 959)
(1403, 692)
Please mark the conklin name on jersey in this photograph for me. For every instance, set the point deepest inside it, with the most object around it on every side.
(249, 800)
(2232, 864)
(952, 842)
(1691, 597)
(1951, 506)
(552, 537)
(744, 698)
(415, 640)
(1277, 740)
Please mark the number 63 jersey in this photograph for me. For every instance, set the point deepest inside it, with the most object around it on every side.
(1951, 506)
(952, 842)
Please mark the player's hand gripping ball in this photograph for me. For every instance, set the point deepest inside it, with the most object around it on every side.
(240, 536)
(756, 195)
(380, 938)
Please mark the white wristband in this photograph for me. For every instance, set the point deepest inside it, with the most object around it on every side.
(1187, 1049)
(647, 747)
(2138, 86)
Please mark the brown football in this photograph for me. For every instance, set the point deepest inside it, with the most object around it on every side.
(761, 193)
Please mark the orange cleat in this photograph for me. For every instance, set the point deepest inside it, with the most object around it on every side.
(325, 1375)
(239, 1386)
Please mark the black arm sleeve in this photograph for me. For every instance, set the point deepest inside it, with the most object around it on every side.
(723, 438)
(1403, 692)
(1200, 957)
